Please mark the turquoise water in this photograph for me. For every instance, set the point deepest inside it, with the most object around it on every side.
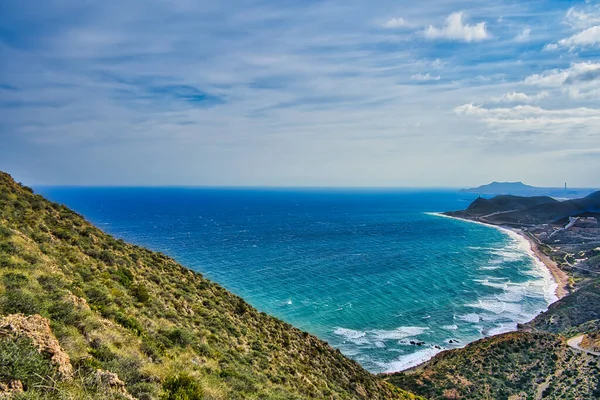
(367, 271)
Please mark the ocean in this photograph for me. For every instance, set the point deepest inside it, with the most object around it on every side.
(375, 273)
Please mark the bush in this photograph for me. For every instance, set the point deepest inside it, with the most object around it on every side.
(18, 301)
(21, 361)
(52, 283)
(128, 322)
(98, 295)
(182, 387)
(140, 293)
(14, 280)
(65, 312)
(180, 337)
(124, 276)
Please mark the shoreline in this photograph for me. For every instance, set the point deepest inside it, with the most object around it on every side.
(560, 278)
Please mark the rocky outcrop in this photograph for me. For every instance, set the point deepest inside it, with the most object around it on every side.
(37, 329)
(7, 390)
(113, 382)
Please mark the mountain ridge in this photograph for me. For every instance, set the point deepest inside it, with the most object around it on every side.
(521, 189)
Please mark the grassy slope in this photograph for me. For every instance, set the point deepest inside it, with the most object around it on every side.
(163, 329)
(519, 364)
(533, 362)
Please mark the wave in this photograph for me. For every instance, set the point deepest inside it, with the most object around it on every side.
(410, 360)
(377, 337)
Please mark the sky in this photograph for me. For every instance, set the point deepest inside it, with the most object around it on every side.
(442, 93)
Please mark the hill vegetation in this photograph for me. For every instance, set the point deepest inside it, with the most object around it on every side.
(519, 210)
(84, 315)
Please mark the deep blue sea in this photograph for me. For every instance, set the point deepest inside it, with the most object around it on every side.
(368, 271)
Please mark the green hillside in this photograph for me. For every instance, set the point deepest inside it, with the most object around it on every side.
(534, 363)
(109, 320)
(517, 365)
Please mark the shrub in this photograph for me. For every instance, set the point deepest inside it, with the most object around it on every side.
(14, 280)
(18, 301)
(65, 312)
(140, 292)
(124, 276)
(98, 295)
(51, 283)
(128, 322)
(21, 361)
(180, 337)
(182, 387)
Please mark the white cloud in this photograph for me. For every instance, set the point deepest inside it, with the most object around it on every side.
(514, 97)
(397, 22)
(588, 38)
(580, 19)
(531, 119)
(438, 64)
(425, 77)
(524, 35)
(456, 29)
(584, 72)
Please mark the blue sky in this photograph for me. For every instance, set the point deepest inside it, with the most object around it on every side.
(300, 93)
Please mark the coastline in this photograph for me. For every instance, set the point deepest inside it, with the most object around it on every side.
(559, 277)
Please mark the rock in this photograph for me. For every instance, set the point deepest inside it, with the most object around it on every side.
(78, 302)
(7, 390)
(112, 380)
(37, 328)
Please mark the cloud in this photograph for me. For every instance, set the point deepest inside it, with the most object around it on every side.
(530, 118)
(583, 18)
(195, 92)
(524, 36)
(456, 29)
(394, 23)
(425, 77)
(588, 38)
(583, 72)
(580, 124)
(518, 97)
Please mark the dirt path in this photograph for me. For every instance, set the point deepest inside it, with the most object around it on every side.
(575, 341)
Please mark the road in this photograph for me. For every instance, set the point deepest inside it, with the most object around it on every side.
(574, 342)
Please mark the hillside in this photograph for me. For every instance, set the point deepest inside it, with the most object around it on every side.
(516, 365)
(535, 362)
(504, 203)
(109, 320)
(529, 210)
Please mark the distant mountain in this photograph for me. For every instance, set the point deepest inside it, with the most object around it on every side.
(502, 188)
(521, 189)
